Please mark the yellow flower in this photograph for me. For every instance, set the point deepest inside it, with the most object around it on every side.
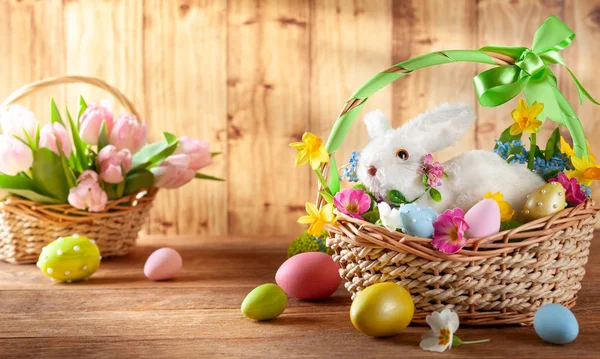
(506, 211)
(318, 218)
(311, 150)
(525, 117)
(586, 170)
(567, 150)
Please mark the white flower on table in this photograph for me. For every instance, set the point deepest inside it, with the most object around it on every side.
(441, 336)
(389, 217)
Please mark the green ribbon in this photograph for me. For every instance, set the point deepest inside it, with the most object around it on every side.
(530, 74)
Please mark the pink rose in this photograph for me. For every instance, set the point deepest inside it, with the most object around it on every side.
(88, 195)
(114, 164)
(173, 172)
(53, 134)
(91, 120)
(15, 156)
(199, 152)
(128, 133)
(18, 120)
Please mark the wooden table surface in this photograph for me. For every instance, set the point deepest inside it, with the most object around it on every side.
(119, 313)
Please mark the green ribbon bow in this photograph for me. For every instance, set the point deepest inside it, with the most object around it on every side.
(532, 75)
(523, 69)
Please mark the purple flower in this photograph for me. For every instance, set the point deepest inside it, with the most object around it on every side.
(573, 191)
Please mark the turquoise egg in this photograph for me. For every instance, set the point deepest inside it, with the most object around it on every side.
(417, 220)
(555, 324)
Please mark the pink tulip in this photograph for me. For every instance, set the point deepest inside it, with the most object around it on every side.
(15, 156)
(114, 164)
(173, 172)
(18, 120)
(53, 134)
(199, 152)
(128, 133)
(88, 195)
(91, 120)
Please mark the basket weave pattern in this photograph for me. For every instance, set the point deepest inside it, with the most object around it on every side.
(493, 280)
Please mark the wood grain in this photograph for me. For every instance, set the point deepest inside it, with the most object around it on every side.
(252, 76)
(120, 313)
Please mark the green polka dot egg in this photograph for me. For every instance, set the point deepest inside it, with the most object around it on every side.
(70, 259)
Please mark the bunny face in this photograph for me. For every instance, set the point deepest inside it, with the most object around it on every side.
(393, 157)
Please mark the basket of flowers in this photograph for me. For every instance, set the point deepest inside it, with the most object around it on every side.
(90, 174)
(492, 235)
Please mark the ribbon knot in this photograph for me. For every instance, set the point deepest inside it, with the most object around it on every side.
(530, 62)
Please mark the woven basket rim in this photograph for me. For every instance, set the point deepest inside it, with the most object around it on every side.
(366, 234)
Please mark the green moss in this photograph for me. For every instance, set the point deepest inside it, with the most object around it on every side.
(309, 243)
(505, 226)
(371, 216)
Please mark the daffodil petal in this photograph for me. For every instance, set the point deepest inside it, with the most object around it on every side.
(522, 105)
(536, 109)
(516, 114)
(592, 173)
(298, 145)
(305, 220)
(566, 148)
(515, 129)
(301, 158)
(312, 210)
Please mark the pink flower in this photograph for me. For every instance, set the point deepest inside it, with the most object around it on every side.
(173, 172)
(352, 202)
(17, 120)
(573, 192)
(199, 152)
(91, 120)
(88, 195)
(433, 170)
(53, 134)
(128, 133)
(15, 156)
(114, 164)
(449, 231)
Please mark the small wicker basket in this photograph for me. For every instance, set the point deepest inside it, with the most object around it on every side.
(27, 226)
(501, 279)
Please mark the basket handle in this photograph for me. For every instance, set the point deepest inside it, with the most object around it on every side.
(51, 81)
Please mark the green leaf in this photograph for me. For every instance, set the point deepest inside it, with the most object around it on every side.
(326, 196)
(103, 137)
(553, 144)
(24, 187)
(82, 107)
(207, 177)
(435, 194)
(334, 178)
(120, 189)
(80, 146)
(396, 196)
(170, 138)
(70, 177)
(30, 142)
(110, 190)
(138, 180)
(49, 175)
(54, 113)
(214, 154)
(424, 180)
(153, 154)
(507, 137)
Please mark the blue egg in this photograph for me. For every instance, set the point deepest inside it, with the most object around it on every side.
(417, 220)
(555, 324)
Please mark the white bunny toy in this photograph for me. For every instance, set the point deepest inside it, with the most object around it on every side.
(393, 157)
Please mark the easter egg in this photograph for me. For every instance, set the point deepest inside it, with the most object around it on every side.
(382, 309)
(417, 220)
(546, 200)
(70, 259)
(264, 302)
(483, 219)
(311, 275)
(163, 264)
(555, 324)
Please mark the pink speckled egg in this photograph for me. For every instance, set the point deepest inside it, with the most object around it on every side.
(483, 219)
(163, 264)
(312, 275)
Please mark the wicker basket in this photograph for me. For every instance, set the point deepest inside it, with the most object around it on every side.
(501, 279)
(26, 226)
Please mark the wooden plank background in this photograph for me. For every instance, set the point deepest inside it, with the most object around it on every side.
(250, 76)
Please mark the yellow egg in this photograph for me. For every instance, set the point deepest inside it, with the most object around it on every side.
(546, 200)
(382, 310)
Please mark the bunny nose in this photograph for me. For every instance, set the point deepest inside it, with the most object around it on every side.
(372, 170)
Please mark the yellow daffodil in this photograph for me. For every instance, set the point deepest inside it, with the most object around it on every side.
(525, 117)
(568, 150)
(586, 170)
(311, 150)
(318, 218)
(506, 211)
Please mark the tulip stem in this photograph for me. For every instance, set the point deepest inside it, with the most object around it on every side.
(476, 341)
(532, 147)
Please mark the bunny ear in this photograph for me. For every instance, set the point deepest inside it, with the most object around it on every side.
(377, 123)
(443, 126)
